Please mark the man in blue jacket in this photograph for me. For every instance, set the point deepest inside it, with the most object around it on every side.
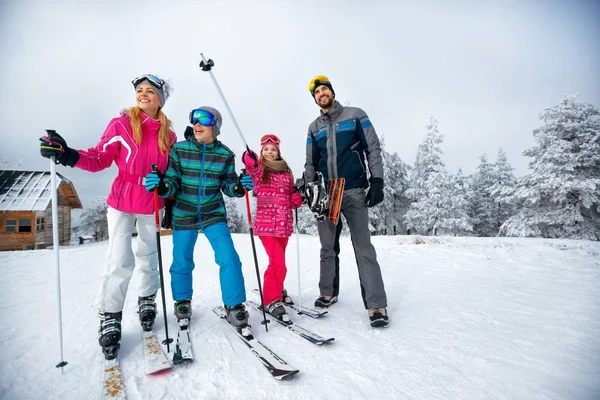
(340, 143)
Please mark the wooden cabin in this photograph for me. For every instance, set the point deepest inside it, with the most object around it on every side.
(26, 209)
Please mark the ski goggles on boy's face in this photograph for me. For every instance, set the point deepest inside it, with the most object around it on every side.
(154, 81)
(202, 117)
(317, 80)
(270, 139)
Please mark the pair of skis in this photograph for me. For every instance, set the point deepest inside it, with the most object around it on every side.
(113, 385)
(304, 333)
(277, 366)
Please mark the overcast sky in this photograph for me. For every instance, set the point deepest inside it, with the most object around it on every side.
(484, 69)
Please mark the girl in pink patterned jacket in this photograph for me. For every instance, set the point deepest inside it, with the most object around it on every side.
(135, 140)
(273, 222)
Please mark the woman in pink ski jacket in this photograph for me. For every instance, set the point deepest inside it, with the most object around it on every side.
(139, 137)
(273, 223)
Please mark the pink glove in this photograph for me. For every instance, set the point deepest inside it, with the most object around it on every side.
(296, 199)
(249, 159)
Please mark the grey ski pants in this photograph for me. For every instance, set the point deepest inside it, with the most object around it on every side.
(356, 213)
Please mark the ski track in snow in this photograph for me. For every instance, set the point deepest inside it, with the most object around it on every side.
(471, 318)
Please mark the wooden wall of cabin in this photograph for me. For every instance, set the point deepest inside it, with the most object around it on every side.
(64, 226)
(22, 235)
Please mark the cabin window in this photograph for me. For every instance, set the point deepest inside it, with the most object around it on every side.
(10, 225)
(39, 224)
(25, 225)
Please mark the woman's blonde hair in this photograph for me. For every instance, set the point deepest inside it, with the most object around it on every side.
(164, 142)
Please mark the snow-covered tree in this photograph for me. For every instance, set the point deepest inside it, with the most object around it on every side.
(560, 197)
(428, 187)
(307, 223)
(235, 220)
(388, 217)
(7, 165)
(482, 207)
(94, 221)
(458, 222)
(502, 190)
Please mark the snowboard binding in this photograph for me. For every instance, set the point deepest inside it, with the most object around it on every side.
(322, 202)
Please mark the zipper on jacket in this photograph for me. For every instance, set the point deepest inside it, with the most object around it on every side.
(330, 150)
(201, 187)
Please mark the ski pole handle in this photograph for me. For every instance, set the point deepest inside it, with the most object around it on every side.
(207, 65)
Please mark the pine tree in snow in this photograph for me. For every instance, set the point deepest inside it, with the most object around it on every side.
(387, 217)
(458, 222)
(307, 223)
(560, 197)
(502, 190)
(94, 221)
(482, 207)
(235, 220)
(429, 186)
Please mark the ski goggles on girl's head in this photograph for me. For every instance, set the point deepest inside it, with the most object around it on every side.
(153, 79)
(269, 139)
(317, 80)
(202, 117)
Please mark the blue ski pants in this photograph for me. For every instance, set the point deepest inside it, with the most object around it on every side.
(231, 279)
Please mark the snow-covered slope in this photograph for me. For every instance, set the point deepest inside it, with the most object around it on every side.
(471, 318)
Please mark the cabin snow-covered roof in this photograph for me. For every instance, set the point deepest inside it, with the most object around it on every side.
(31, 190)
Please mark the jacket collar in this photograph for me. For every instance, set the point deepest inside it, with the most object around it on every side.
(333, 112)
(149, 123)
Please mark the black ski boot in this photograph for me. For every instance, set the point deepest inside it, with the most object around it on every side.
(147, 311)
(109, 333)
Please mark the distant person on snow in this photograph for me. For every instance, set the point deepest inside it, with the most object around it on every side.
(140, 137)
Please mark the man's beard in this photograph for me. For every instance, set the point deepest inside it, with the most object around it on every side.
(327, 105)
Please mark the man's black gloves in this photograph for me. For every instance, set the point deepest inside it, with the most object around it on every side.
(375, 193)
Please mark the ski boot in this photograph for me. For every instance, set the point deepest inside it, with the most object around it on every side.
(109, 333)
(287, 299)
(277, 310)
(183, 312)
(379, 317)
(147, 311)
(238, 317)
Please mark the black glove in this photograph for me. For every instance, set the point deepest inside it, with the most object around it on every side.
(167, 221)
(55, 146)
(244, 182)
(375, 193)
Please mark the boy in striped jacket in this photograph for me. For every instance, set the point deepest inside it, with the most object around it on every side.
(202, 169)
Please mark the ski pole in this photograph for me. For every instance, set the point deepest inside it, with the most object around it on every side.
(298, 258)
(167, 341)
(262, 303)
(207, 65)
(56, 245)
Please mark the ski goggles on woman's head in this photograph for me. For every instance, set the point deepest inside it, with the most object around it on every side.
(269, 139)
(317, 80)
(153, 79)
(202, 117)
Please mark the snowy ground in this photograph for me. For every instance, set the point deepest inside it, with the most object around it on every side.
(470, 319)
